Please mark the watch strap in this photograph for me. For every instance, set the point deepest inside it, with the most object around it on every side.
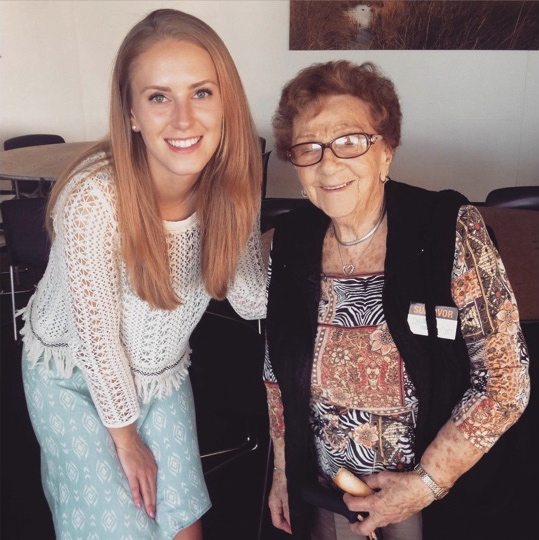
(439, 492)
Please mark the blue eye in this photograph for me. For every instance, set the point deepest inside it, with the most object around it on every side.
(158, 98)
(202, 93)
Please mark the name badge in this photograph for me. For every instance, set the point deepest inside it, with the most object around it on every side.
(446, 320)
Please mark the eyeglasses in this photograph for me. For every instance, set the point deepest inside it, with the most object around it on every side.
(345, 147)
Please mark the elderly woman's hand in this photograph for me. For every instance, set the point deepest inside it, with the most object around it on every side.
(397, 497)
(278, 502)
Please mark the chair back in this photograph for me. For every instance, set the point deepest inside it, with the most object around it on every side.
(274, 208)
(526, 197)
(34, 139)
(516, 234)
(265, 162)
(25, 234)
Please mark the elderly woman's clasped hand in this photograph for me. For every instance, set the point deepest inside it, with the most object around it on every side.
(397, 497)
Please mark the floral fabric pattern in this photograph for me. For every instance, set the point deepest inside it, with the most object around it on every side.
(490, 325)
(363, 405)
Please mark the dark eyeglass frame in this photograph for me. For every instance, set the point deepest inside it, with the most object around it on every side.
(371, 138)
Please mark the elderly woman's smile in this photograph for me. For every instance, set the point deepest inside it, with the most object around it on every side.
(339, 187)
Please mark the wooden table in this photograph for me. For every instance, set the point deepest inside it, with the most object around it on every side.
(45, 162)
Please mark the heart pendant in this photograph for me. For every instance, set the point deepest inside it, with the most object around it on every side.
(348, 269)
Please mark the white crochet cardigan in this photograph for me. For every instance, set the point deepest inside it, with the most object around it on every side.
(84, 312)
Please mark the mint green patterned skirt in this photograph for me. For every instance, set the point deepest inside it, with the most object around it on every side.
(82, 478)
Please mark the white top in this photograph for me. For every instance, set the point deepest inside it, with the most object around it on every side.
(85, 313)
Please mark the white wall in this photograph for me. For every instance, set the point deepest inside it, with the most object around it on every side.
(471, 118)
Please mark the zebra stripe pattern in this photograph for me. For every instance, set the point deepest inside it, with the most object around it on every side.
(358, 302)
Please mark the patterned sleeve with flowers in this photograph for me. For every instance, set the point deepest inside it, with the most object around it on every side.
(275, 403)
(488, 312)
(273, 392)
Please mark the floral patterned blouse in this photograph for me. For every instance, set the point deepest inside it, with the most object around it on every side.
(364, 405)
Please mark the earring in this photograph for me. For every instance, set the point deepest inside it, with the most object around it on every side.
(134, 128)
(383, 180)
(303, 193)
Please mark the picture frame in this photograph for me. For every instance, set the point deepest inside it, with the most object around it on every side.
(414, 25)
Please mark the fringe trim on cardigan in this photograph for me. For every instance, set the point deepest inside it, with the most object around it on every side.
(58, 359)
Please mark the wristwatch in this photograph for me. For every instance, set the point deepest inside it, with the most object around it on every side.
(439, 492)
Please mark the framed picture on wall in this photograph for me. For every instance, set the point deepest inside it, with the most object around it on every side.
(414, 24)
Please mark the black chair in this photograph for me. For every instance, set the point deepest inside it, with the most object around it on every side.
(515, 231)
(27, 241)
(526, 197)
(31, 188)
(273, 208)
(265, 163)
(230, 402)
(227, 356)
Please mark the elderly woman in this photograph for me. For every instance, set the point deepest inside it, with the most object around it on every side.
(394, 344)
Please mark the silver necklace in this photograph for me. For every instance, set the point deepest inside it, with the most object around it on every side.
(349, 268)
(366, 236)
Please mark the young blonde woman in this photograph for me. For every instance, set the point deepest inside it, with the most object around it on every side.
(146, 228)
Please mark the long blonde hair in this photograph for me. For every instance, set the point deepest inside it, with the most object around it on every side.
(229, 186)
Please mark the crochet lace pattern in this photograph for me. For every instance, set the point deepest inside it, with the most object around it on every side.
(85, 314)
